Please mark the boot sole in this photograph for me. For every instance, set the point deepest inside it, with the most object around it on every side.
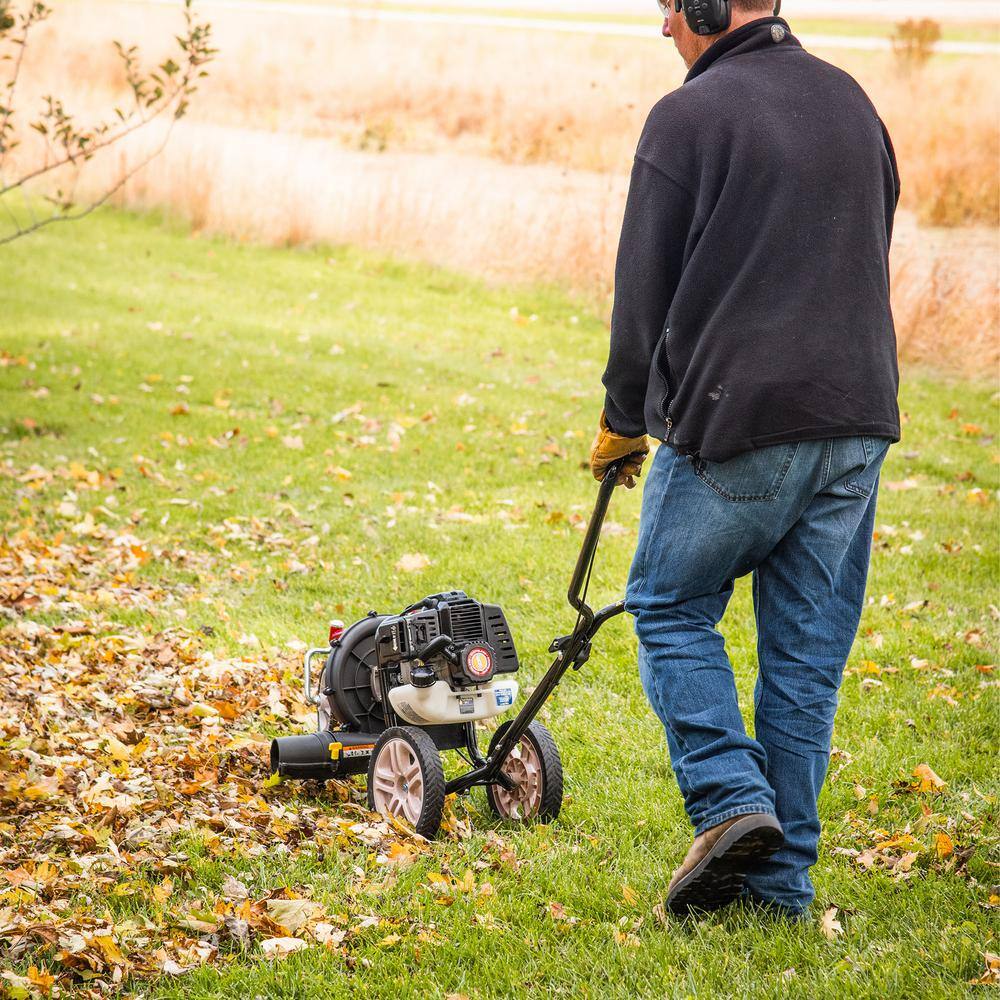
(718, 878)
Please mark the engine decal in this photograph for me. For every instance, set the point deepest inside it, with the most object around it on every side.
(466, 706)
(504, 696)
(479, 661)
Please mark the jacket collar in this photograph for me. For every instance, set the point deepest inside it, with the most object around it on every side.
(753, 36)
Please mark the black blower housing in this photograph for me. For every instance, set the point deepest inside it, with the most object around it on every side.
(346, 682)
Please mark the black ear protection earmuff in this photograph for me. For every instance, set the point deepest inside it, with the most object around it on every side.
(709, 17)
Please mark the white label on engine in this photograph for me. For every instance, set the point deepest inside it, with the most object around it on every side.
(466, 706)
(504, 696)
(364, 751)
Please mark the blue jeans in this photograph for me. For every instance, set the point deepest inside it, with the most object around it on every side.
(799, 517)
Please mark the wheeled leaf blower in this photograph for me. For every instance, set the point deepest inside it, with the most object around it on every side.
(395, 691)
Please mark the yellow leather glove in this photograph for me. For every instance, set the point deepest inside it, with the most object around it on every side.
(608, 446)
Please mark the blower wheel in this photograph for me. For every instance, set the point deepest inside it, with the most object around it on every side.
(406, 779)
(536, 770)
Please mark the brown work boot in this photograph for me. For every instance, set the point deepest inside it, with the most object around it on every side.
(712, 872)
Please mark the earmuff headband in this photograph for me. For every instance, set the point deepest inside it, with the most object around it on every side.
(709, 17)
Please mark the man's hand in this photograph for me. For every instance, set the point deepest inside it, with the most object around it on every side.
(608, 446)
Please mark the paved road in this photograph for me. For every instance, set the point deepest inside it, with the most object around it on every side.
(459, 17)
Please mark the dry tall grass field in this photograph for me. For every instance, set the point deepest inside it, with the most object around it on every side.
(500, 151)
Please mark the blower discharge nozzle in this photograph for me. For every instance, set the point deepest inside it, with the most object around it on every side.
(322, 755)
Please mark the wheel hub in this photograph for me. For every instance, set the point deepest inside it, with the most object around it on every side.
(524, 768)
(398, 782)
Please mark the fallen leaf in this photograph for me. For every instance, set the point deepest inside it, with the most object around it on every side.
(991, 977)
(293, 914)
(927, 780)
(830, 925)
(328, 934)
(401, 854)
(412, 562)
(18, 987)
(944, 845)
(109, 948)
(234, 889)
(162, 892)
(275, 948)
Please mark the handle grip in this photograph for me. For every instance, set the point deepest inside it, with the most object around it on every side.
(613, 470)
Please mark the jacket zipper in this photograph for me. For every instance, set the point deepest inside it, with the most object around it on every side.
(664, 356)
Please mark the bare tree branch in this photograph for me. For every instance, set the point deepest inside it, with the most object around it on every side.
(68, 146)
(71, 216)
(36, 12)
(70, 158)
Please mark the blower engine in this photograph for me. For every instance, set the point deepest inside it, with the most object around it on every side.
(442, 664)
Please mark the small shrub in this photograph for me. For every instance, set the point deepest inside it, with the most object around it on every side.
(913, 43)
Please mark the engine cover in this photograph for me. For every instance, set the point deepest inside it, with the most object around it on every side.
(472, 627)
(441, 663)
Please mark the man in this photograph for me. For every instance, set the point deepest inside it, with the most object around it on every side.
(752, 334)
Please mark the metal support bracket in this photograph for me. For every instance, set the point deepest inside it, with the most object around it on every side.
(313, 699)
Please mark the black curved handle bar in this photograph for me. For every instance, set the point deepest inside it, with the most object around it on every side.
(590, 540)
(568, 648)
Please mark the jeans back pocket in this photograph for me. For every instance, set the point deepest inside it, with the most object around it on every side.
(871, 452)
(754, 475)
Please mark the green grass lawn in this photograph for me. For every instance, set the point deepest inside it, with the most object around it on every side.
(202, 381)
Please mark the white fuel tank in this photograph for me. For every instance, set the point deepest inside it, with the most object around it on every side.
(439, 703)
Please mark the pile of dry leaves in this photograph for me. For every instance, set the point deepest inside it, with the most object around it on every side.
(116, 746)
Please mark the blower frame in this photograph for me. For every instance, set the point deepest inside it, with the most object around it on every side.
(521, 771)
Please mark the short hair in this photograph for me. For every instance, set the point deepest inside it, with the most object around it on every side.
(763, 5)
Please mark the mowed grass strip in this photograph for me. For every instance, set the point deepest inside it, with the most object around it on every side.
(387, 409)
(983, 31)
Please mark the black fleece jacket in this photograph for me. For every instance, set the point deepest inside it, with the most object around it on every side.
(752, 282)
